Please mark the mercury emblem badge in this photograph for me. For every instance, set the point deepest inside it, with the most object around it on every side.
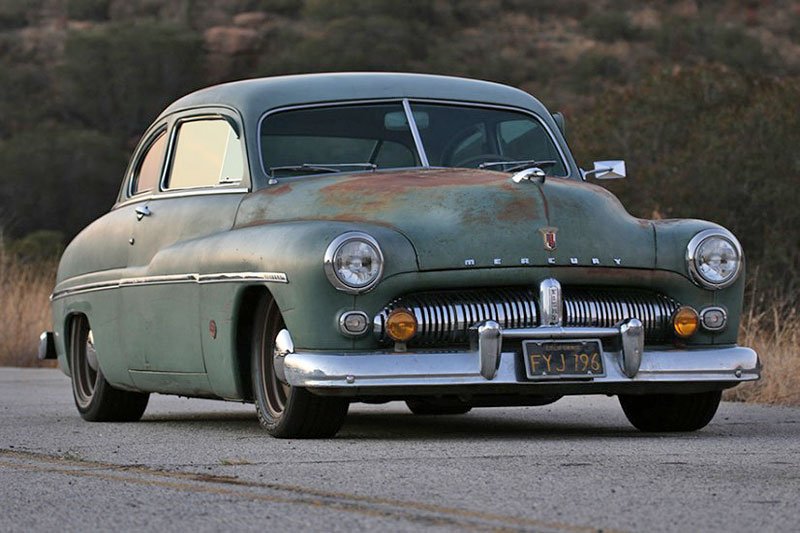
(549, 237)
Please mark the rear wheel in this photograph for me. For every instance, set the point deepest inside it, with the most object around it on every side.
(95, 398)
(285, 411)
(432, 407)
(670, 412)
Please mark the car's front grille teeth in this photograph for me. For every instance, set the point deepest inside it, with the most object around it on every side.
(444, 317)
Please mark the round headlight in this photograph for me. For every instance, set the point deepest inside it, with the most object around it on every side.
(353, 262)
(714, 258)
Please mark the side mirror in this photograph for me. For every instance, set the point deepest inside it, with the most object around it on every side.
(606, 170)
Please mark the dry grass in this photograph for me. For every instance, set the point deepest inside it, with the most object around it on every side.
(25, 289)
(25, 312)
(775, 335)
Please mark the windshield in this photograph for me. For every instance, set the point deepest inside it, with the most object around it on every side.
(378, 136)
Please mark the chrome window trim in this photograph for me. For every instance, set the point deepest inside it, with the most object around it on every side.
(691, 253)
(138, 158)
(172, 146)
(181, 193)
(412, 124)
(411, 101)
(220, 277)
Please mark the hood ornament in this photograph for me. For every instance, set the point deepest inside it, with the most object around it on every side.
(529, 174)
(549, 237)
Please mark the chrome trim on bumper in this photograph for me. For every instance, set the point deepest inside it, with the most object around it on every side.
(47, 346)
(489, 366)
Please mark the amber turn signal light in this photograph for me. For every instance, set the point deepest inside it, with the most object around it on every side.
(401, 325)
(685, 322)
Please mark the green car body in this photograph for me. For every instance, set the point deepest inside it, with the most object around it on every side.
(171, 277)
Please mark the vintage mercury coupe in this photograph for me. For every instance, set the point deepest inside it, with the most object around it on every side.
(304, 242)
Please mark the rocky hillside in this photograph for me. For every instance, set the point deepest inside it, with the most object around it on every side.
(700, 96)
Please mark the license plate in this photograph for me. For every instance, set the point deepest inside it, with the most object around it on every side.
(558, 360)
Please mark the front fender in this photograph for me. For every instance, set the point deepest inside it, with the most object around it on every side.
(309, 303)
(672, 239)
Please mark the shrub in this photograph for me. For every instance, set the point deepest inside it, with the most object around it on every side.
(118, 77)
(611, 25)
(685, 40)
(714, 144)
(88, 9)
(14, 13)
(58, 178)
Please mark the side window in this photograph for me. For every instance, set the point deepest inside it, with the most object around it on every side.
(147, 172)
(207, 153)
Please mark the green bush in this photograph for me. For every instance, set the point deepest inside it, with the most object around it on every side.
(709, 143)
(14, 13)
(25, 96)
(608, 25)
(58, 178)
(592, 65)
(88, 9)
(684, 39)
(118, 77)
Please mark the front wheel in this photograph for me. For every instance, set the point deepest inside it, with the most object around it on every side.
(670, 412)
(285, 411)
(95, 398)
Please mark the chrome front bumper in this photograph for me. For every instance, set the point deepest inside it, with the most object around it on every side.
(489, 369)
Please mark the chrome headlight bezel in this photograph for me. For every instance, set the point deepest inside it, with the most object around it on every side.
(330, 258)
(691, 258)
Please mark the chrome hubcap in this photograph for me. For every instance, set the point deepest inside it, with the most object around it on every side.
(275, 391)
(84, 365)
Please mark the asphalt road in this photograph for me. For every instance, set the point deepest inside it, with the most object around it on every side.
(572, 466)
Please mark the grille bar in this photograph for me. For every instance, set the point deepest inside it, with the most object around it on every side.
(444, 317)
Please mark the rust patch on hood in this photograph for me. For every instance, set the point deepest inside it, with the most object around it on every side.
(379, 192)
(376, 191)
(279, 190)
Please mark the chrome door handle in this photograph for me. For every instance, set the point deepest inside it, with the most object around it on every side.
(143, 211)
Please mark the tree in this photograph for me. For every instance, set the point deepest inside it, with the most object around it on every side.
(117, 77)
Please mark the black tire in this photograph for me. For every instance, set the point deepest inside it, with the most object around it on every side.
(284, 411)
(670, 412)
(431, 407)
(95, 398)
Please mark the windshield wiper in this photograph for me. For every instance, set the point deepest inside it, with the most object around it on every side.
(517, 164)
(322, 167)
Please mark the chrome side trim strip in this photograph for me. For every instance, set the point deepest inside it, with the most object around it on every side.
(221, 277)
(277, 277)
(159, 280)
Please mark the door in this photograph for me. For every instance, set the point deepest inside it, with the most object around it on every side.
(201, 188)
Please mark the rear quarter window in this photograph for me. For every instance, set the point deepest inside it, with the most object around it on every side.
(148, 169)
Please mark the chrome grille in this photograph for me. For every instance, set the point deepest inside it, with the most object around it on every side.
(444, 317)
(604, 308)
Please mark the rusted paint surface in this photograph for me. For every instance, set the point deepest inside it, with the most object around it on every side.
(454, 216)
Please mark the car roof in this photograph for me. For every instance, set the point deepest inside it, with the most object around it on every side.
(256, 96)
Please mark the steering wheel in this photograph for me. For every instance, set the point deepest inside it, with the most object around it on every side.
(474, 161)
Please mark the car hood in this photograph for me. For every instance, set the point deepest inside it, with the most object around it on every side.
(459, 218)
